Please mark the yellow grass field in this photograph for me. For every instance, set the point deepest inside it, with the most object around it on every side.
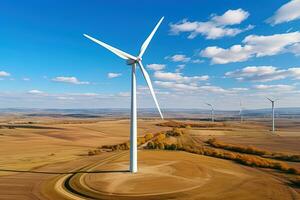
(46, 158)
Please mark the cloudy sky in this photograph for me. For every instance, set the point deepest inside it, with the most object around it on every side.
(215, 51)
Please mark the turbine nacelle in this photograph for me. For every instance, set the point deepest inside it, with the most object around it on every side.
(133, 61)
(130, 62)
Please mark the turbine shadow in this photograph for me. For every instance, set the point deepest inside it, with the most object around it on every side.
(75, 172)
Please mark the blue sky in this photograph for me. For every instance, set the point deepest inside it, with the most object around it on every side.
(236, 51)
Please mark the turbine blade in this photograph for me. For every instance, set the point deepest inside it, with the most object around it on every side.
(147, 41)
(269, 99)
(208, 104)
(112, 49)
(147, 78)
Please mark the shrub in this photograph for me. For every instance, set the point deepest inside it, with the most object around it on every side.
(295, 181)
(148, 136)
(175, 132)
(179, 146)
(173, 147)
(292, 170)
(252, 161)
(252, 150)
(160, 137)
(238, 148)
(161, 146)
(190, 125)
(115, 147)
(150, 145)
(93, 152)
(141, 140)
(281, 156)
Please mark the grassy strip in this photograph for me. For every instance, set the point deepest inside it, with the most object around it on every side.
(244, 159)
(175, 124)
(122, 146)
(249, 160)
(253, 150)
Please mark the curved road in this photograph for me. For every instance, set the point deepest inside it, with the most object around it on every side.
(69, 185)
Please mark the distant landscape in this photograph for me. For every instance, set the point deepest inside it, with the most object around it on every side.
(151, 112)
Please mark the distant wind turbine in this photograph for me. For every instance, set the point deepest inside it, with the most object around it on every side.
(133, 61)
(211, 111)
(273, 113)
(241, 111)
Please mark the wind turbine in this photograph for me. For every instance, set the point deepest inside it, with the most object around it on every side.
(133, 61)
(241, 111)
(273, 113)
(212, 111)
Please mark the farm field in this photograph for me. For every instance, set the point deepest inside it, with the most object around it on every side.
(48, 158)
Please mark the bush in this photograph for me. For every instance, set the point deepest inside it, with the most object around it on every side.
(292, 170)
(93, 152)
(238, 148)
(295, 181)
(188, 127)
(281, 156)
(177, 124)
(175, 132)
(160, 137)
(179, 146)
(161, 146)
(249, 160)
(148, 136)
(115, 147)
(171, 147)
(150, 145)
(252, 150)
(141, 140)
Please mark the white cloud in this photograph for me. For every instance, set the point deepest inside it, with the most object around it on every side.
(36, 92)
(197, 61)
(124, 94)
(88, 94)
(72, 80)
(113, 75)
(295, 49)
(239, 89)
(26, 79)
(65, 98)
(179, 58)
(215, 89)
(156, 67)
(179, 68)
(254, 46)
(178, 77)
(175, 86)
(231, 17)
(188, 87)
(4, 74)
(288, 12)
(216, 27)
(278, 88)
(263, 73)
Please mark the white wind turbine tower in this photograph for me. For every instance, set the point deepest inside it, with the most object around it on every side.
(241, 111)
(211, 111)
(273, 113)
(133, 61)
